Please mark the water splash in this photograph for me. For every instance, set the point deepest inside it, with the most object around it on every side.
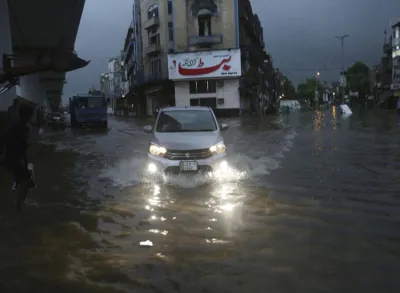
(258, 163)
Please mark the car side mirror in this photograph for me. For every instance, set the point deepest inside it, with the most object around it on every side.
(224, 127)
(148, 129)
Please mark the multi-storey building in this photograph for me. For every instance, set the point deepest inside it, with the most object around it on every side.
(150, 83)
(396, 59)
(207, 64)
(260, 83)
(133, 64)
(387, 79)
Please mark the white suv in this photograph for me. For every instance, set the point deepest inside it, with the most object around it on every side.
(186, 140)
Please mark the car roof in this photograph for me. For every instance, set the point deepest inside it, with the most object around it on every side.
(198, 108)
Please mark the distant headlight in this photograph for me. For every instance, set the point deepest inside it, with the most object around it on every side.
(157, 150)
(218, 148)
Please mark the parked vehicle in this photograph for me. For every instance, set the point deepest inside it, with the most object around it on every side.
(90, 109)
(55, 119)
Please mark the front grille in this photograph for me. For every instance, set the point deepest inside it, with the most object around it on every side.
(200, 154)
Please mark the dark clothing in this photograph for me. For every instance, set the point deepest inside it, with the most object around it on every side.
(13, 115)
(39, 117)
(16, 147)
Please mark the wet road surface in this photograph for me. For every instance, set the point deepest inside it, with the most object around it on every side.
(312, 206)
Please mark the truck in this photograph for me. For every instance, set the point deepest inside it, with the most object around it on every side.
(88, 109)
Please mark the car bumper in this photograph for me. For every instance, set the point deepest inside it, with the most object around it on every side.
(158, 164)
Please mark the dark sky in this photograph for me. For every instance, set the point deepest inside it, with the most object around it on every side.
(299, 34)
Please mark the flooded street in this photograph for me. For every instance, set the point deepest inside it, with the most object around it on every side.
(313, 205)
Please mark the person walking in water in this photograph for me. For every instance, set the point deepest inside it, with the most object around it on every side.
(15, 156)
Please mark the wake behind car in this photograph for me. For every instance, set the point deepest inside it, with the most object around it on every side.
(186, 140)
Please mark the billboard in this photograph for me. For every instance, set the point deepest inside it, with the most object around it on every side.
(204, 64)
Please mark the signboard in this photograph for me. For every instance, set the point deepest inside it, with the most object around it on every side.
(204, 64)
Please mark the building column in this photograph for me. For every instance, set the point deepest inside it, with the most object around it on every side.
(31, 90)
(5, 47)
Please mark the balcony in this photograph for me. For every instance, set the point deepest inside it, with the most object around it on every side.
(154, 78)
(395, 42)
(152, 50)
(152, 22)
(205, 40)
(140, 79)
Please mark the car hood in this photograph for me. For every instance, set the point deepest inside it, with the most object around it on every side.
(186, 140)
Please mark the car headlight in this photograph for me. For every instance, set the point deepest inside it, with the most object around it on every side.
(218, 148)
(157, 150)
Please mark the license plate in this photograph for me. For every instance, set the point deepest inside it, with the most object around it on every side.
(188, 165)
(56, 118)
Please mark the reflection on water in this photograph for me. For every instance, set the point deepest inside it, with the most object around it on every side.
(310, 205)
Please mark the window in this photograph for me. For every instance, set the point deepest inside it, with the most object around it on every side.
(153, 30)
(186, 121)
(98, 102)
(202, 86)
(154, 40)
(205, 102)
(169, 6)
(204, 25)
(155, 68)
(171, 31)
(153, 11)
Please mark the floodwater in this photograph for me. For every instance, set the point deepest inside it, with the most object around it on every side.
(313, 205)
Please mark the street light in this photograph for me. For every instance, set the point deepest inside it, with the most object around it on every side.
(341, 38)
(316, 87)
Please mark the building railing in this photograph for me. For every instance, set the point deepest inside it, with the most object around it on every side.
(152, 49)
(205, 40)
(149, 23)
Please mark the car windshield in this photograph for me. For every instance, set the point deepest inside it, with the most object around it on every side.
(186, 121)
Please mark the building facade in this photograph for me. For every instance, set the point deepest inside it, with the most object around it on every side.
(260, 84)
(219, 59)
(196, 52)
(112, 84)
(151, 84)
(386, 86)
(395, 86)
(206, 63)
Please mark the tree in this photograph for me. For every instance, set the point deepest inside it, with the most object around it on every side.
(289, 90)
(357, 77)
(306, 90)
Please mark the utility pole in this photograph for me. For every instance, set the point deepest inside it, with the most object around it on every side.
(341, 38)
